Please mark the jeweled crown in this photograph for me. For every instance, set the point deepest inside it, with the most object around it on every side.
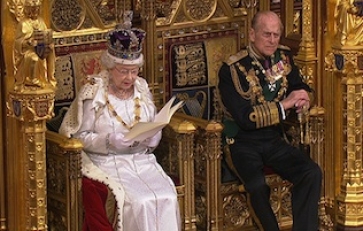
(124, 41)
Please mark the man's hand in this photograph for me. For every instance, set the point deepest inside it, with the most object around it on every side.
(298, 99)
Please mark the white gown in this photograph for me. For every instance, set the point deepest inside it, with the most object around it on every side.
(149, 195)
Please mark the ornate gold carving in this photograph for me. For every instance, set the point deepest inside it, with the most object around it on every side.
(162, 8)
(236, 210)
(307, 72)
(16, 7)
(148, 10)
(56, 220)
(325, 221)
(349, 21)
(31, 106)
(314, 123)
(176, 154)
(280, 197)
(109, 10)
(296, 22)
(249, 3)
(168, 12)
(201, 211)
(33, 51)
(34, 133)
(67, 15)
(307, 20)
(349, 200)
(235, 3)
(208, 173)
(64, 176)
(63, 43)
(199, 11)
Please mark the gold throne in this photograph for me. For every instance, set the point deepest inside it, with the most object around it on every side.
(78, 48)
(189, 49)
(191, 42)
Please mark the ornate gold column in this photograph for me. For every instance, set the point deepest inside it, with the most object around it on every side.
(264, 5)
(29, 60)
(148, 17)
(306, 59)
(345, 65)
(347, 68)
(176, 154)
(207, 173)
(214, 156)
(30, 110)
(185, 153)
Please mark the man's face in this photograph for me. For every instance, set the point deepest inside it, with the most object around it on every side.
(266, 35)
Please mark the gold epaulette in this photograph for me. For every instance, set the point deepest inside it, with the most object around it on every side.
(283, 47)
(234, 58)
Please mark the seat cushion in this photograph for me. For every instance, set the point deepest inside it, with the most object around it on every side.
(95, 201)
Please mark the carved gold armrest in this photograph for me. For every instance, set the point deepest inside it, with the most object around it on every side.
(207, 173)
(176, 155)
(66, 143)
(64, 182)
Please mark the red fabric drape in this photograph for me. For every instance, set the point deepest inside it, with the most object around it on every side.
(94, 198)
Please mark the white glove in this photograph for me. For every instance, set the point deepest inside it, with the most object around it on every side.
(118, 141)
(153, 141)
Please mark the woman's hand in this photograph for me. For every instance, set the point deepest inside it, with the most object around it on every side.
(118, 141)
(153, 141)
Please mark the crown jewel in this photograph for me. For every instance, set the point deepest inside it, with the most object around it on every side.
(124, 41)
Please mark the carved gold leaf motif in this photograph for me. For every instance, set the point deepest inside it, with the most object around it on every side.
(67, 15)
(200, 10)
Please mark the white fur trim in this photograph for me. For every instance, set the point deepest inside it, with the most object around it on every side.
(139, 61)
(93, 172)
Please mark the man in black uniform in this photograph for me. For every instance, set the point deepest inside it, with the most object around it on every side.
(257, 86)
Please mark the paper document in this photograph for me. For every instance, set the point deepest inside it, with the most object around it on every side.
(144, 130)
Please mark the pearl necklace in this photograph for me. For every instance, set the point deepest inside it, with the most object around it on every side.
(137, 112)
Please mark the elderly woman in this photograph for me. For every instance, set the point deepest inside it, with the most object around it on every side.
(105, 110)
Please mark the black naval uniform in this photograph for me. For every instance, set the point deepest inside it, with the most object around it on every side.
(253, 107)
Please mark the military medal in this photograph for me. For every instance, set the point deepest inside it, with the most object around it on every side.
(274, 74)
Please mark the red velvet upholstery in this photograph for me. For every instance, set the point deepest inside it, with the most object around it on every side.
(94, 199)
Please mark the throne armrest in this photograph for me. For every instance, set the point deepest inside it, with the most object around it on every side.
(175, 153)
(69, 145)
(64, 180)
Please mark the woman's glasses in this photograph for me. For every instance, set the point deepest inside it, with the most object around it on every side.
(125, 72)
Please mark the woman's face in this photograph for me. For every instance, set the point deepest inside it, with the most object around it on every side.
(124, 76)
